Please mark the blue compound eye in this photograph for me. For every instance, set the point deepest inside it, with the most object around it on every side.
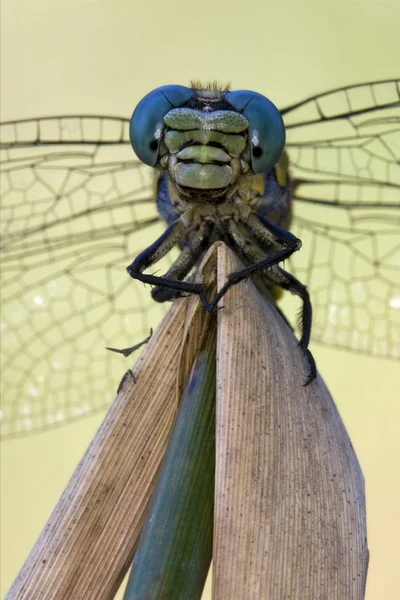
(266, 128)
(147, 124)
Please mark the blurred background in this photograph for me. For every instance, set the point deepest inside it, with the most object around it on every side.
(102, 57)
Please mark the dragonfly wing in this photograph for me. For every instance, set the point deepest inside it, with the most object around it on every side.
(76, 209)
(74, 203)
(350, 133)
(344, 148)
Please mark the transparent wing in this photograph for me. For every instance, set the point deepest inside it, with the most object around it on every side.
(344, 149)
(74, 208)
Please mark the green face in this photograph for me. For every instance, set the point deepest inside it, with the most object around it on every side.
(204, 147)
(207, 138)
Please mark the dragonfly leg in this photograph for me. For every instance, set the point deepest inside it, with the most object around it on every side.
(128, 351)
(286, 281)
(268, 234)
(172, 236)
(280, 244)
(238, 239)
(186, 260)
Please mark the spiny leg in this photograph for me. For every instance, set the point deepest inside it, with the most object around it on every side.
(172, 236)
(281, 245)
(286, 281)
(266, 233)
(249, 251)
(186, 260)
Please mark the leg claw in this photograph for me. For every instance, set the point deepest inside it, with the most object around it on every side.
(313, 368)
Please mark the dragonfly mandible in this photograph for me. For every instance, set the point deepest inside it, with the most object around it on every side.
(76, 208)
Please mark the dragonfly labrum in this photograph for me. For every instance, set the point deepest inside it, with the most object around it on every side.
(77, 208)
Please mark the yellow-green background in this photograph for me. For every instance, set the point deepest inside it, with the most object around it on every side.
(102, 57)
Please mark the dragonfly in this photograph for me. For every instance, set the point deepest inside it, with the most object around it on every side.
(77, 207)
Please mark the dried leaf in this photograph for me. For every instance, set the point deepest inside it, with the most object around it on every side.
(289, 492)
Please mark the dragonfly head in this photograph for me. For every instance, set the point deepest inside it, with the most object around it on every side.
(207, 138)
